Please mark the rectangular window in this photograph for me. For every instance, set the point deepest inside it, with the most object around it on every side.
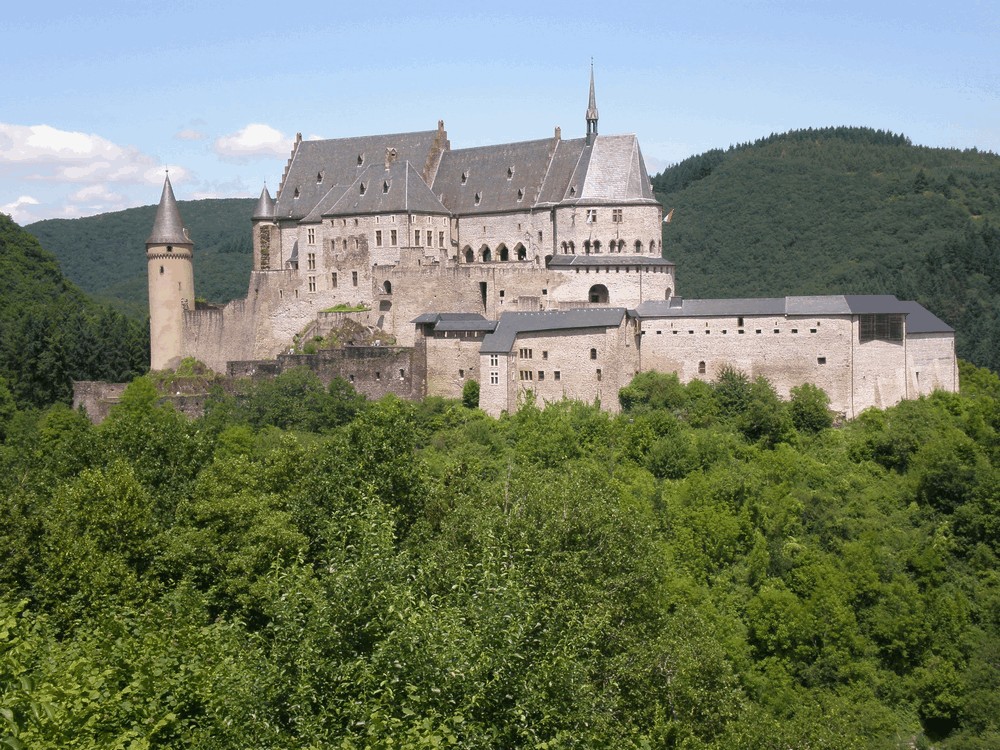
(599, 374)
(430, 237)
(311, 236)
(378, 375)
(312, 283)
(524, 354)
(882, 327)
(392, 237)
(378, 238)
(344, 243)
(545, 354)
(556, 375)
(440, 239)
(354, 278)
(591, 215)
(494, 378)
(527, 375)
(416, 237)
(541, 375)
(461, 373)
(494, 360)
(311, 260)
(333, 280)
(821, 360)
(616, 215)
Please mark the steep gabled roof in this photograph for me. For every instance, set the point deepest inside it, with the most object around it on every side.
(611, 170)
(324, 169)
(505, 177)
(168, 229)
(511, 324)
(377, 190)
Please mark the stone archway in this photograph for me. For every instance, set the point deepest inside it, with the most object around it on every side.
(598, 294)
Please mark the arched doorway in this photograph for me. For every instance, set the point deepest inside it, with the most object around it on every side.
(387, 287)
(598, 294)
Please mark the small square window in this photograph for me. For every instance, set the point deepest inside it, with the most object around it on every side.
(777, 330)
(821, 360)
(541, 375)
(812, 330)
(378, 375)
(758, 331)
(556, 375)
(795, 330)
(545, 354)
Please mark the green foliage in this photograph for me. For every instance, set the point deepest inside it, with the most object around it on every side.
(50, 334)
(845, 210)
(695, 572)
(809, 408)
(470, 394)
(105, 255)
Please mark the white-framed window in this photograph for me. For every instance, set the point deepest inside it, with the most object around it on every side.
(591, 215)
(494, 378)
(311, 261)
(378, 238)
(311, 236)
(312, 283)
(494, 360)
(616, 215)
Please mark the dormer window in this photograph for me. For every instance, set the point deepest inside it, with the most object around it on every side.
(363, 188)
(465, 177)
(572, 191)
(319, 178)
(520, 194)
(385, 187)
(361, 159)
(510, 172)
(296, 193)
(479, 197)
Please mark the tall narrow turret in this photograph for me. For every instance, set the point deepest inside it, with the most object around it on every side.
(169, 253)
(265, 234)
(591, 110)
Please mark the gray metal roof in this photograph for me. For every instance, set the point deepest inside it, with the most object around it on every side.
(456, 321)
(486, 179)
(319, 168)
(168, 229)
(860, 304)
(513, 323)
(611, 259)
(265, 206)
(921, 320)
(377, 190)
(711, 307)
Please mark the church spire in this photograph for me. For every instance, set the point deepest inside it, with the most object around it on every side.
(168, 229)
(591, 109)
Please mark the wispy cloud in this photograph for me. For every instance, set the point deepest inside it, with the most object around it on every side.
(18, 211)
(190, 134)
(256, 139)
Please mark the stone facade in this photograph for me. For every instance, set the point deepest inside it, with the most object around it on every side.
(525, 266)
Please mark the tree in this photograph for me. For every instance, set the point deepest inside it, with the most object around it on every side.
(470, 394)
(810, 408)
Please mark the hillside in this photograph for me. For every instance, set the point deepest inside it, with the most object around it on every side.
(105, 254)
(847, 210)
(50, 333)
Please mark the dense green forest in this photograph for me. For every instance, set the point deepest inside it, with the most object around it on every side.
(51, 334)
(843, 210)
(713, 568)
(105, 255)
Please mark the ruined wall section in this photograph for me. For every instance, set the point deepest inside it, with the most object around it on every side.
(452, 359)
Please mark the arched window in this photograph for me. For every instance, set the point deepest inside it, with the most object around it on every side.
(667, 293)
(565, 248)
(469, 255)
(598, 293)
(572, 247)
(652, 246)
(387, 287)
(621, 246)
(586, 247)
(701, 368)
(520, 252)
(593, 353)
(638, 246)
(597, 246)
(484, 253)
(502, 253)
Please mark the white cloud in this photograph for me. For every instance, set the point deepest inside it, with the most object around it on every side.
(17, 211)
(95, 193)
(255, 139)
(57, 155)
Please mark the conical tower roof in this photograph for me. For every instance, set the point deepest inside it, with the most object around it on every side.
(168, 229)
(592, 104)
(265, 206)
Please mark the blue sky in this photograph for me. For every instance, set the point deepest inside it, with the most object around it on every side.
(98, 99)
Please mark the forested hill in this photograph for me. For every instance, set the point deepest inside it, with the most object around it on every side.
(106, 254)
(843, 210)
(51, 334)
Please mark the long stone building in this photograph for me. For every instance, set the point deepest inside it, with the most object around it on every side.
(525, 266)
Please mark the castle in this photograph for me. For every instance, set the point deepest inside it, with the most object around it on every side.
(524, 266)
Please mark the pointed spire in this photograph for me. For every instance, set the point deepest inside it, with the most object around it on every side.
(591, 108)
(265, 205)
(168, 229)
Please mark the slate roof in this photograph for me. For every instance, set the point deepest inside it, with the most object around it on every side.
(456, 321)
(600, 261)
(168, 228)
(336, 160)
(918, 318)
(265, 206)
(486, 170)
(398, 189)
(561, 170)
(513, 323)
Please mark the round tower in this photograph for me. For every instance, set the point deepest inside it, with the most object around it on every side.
(169, 253)
(266, 254)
